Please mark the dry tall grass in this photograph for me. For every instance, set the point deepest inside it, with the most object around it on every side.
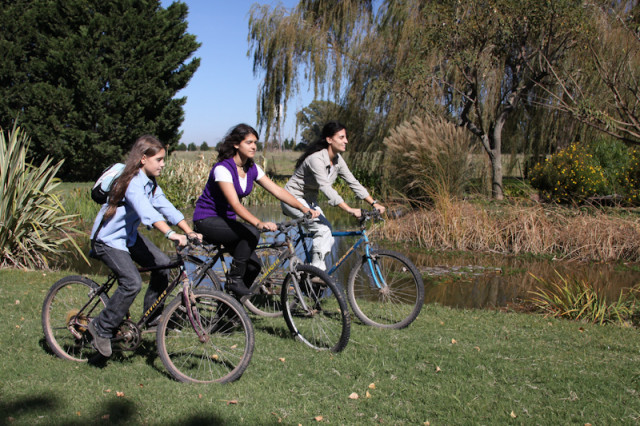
(429, 158)
(512, 229)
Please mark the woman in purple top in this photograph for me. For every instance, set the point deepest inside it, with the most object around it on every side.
(230, 180)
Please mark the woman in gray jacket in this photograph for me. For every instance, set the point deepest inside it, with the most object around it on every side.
(316, 170)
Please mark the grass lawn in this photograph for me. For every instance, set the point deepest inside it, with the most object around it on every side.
(449, 367)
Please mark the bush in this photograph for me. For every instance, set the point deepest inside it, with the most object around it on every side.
(629, 179)
(183, 180)
(33, 222)
(429, 158)
(571, 175)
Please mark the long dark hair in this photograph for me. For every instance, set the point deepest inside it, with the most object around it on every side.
(234, 137)
(329, 129)
(145, 145)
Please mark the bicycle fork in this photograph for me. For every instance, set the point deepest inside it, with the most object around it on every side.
(189, 301)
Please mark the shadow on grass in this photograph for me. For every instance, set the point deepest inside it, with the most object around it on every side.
(111, 412)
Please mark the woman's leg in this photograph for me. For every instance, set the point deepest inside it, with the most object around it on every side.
(241, 240)
(321, 229)
(145, 253)
(129, 285)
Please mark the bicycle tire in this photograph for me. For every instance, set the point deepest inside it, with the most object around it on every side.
(316, 314)
(208, 280)
(266, 300)
(396, 305)
(229, 344)
(60, 314)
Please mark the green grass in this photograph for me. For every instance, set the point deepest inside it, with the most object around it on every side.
(449, 367)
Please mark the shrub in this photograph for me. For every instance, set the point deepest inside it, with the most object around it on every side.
(429, 158)
(183, 180)
(571, 175)
(579, 300)
(629, 179)
(33, 223)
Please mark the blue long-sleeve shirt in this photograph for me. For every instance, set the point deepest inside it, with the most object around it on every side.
(141, 205)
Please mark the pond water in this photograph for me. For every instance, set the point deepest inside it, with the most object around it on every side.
(464, 280)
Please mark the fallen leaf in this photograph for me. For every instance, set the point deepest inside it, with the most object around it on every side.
(513, 415)
(234, 346)
(281, 359)
(78, 413)
(119, 394)
(17, 326)
(372, 386)
(108, 390)
(426, 423)
(199, 396)
(231, 401)
(438, 369)
(453, 341)
(441, 322)
(141, 385)
(368, 395)
(105, 417)
(215, 356)
(477, 348)
(354, 396)
(318, 418)
(17, 302)
(581, 330)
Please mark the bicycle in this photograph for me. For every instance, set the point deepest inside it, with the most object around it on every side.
(384, 288)
(202, 336)
(314, 308)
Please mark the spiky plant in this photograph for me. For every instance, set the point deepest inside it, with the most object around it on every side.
(579, 300)
(33, 223)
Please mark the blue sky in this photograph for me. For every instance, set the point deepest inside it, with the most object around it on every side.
(223, 91)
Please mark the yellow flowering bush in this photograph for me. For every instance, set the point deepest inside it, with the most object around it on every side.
(630, 178)
(571, 175)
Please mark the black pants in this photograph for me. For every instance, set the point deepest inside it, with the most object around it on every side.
(239, 238)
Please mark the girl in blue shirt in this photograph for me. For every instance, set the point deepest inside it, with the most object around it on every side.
(135, 198)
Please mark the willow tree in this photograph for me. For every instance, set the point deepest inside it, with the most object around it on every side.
(601, 85)
(470, 61)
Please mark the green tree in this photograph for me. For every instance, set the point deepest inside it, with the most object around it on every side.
(204, 147)
(471, 61)
(192, 147)
(181, 147)
(88, 77)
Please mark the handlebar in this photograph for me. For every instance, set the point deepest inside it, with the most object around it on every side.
(372, 214)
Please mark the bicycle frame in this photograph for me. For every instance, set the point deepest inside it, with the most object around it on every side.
(378, 279)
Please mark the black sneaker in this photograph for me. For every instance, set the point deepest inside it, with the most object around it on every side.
(101, 344)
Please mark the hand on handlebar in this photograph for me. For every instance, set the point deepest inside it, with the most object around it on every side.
(380, 208)
(267, 226)
(311, 214)
(356, 213)
(180, 239)
(194, 237)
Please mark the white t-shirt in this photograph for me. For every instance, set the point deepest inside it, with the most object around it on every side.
(222, 174)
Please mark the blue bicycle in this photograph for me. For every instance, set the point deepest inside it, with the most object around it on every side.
(384, 288)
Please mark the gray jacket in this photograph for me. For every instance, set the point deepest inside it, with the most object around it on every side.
(315, 174)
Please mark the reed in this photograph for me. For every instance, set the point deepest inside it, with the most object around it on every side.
(518, 229)
(580, 300)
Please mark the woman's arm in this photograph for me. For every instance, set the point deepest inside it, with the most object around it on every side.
(283, 195)
(230, 194)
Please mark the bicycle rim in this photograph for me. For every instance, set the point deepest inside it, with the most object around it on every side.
(395, 304)
(64, 326)
(316, 311)
(266, 300)
(228, 342)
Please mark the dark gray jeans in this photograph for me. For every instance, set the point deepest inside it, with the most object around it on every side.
(145, 253)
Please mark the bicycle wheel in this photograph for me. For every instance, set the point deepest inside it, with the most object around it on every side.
(398, 301)
(266, 300)
(225, 349)
(199, 279)
(316, 311)
(65, 317)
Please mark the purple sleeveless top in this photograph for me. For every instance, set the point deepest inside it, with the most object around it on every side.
(212, 202)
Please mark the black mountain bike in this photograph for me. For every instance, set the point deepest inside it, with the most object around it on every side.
(203, 335)
(314, 308)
